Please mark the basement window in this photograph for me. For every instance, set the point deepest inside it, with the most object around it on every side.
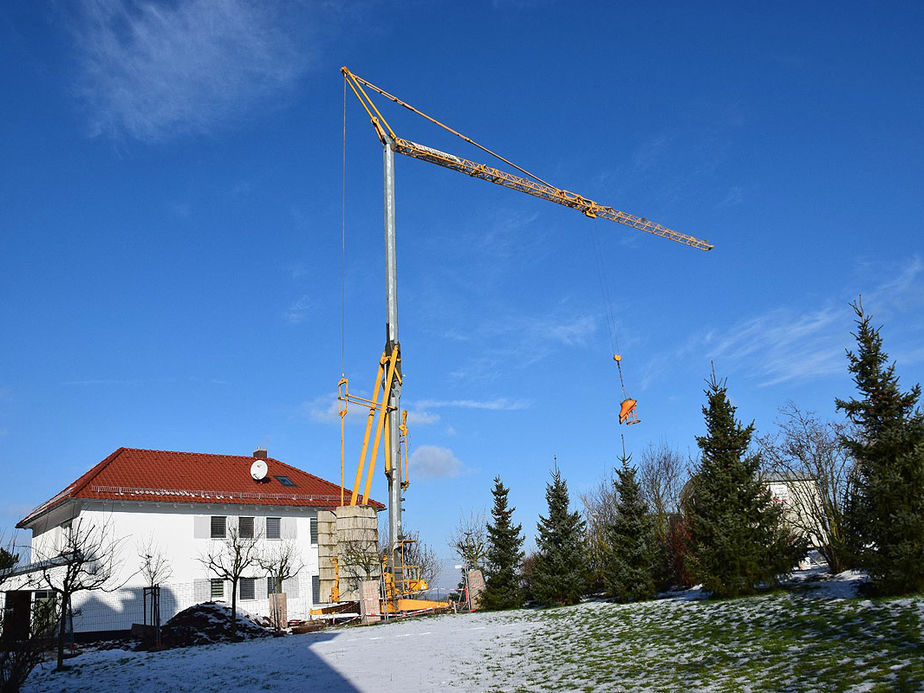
(285, 481)
(217, 589)
(248, 588)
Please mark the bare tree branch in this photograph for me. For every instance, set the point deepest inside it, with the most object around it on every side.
(807, 456)
(155, 568)
(281, 562)
(469, 540)
(86, 559)
(229, 560)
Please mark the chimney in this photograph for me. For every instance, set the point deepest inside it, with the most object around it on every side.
(260, 453)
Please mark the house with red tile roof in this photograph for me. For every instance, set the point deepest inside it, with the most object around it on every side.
(185, 504)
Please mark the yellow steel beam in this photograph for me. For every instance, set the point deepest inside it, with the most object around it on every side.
(383, 409)
(369, 421)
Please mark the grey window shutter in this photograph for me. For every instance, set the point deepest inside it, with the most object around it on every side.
(202, 590)
(315, 589)
(273, 528)
(201, 527)
(314, 531)
(290, 587)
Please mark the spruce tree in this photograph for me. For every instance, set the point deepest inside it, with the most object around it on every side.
(737, 540)
(887, 510)
(560, 572)
(504, 556)
(632, 549)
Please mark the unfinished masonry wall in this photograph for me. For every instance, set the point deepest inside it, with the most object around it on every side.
(351, 534)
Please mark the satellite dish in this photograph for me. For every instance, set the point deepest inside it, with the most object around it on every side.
(258, 469)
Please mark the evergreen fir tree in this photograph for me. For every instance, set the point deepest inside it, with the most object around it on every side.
(887, 510)
(504, 555)
(560, 574)
(632, 549)
(737, 540)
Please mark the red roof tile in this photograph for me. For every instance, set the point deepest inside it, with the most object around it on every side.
(192, 477)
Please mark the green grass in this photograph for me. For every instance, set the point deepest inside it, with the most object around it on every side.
(778, 641)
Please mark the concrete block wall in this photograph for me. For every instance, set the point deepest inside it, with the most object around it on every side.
(350, 533)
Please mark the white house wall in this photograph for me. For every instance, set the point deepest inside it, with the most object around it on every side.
(181, 533)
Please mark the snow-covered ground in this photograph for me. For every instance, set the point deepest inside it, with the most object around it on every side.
(814, 636)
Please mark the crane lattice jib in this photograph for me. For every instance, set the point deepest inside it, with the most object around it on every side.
(536, 187)
(546, 192)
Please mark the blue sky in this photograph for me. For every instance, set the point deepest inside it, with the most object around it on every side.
(170, 224)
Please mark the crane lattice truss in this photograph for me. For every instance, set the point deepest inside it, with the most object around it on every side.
(531, 185)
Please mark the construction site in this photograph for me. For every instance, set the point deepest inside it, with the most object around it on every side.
(355, 575)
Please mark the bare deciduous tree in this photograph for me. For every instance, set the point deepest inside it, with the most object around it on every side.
(421, 555)
(229, 560)
(17, 658)
(808, 455)
(85, 560)
(359, 559)
(599, 512)
(155, 568)
(469, 540)
(662, 473)
(280, 562)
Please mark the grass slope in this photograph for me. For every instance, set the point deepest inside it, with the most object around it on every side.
(806, 638)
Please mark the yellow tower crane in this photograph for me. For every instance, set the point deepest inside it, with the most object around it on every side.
(384, 407)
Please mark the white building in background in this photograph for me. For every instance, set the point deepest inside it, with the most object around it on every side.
(185, 504)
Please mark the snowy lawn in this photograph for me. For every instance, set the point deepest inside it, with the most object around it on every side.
(807, 638)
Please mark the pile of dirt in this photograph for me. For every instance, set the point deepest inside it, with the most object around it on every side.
(207, 623)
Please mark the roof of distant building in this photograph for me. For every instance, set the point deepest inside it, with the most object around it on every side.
(193, 477)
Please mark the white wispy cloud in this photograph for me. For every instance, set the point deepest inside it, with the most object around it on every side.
(422, 418)
(789, 343)
(153, 71)
(298, 311)
(434, 462)
(498, 404)
(326, 408)
(522, 340)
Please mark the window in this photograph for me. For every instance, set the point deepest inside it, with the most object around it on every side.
(314, 531)
(248, 588)
(218, 526)
(217, 588)
(271, 586)
(315, 589)
(245, 527)
(272, 527)
(285, 481)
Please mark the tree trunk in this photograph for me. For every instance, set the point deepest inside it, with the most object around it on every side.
(233, 607)
(62, 631)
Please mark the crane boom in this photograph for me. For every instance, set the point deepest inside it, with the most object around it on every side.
(536, 187)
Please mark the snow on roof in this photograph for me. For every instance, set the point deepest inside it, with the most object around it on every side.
(193, 477)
